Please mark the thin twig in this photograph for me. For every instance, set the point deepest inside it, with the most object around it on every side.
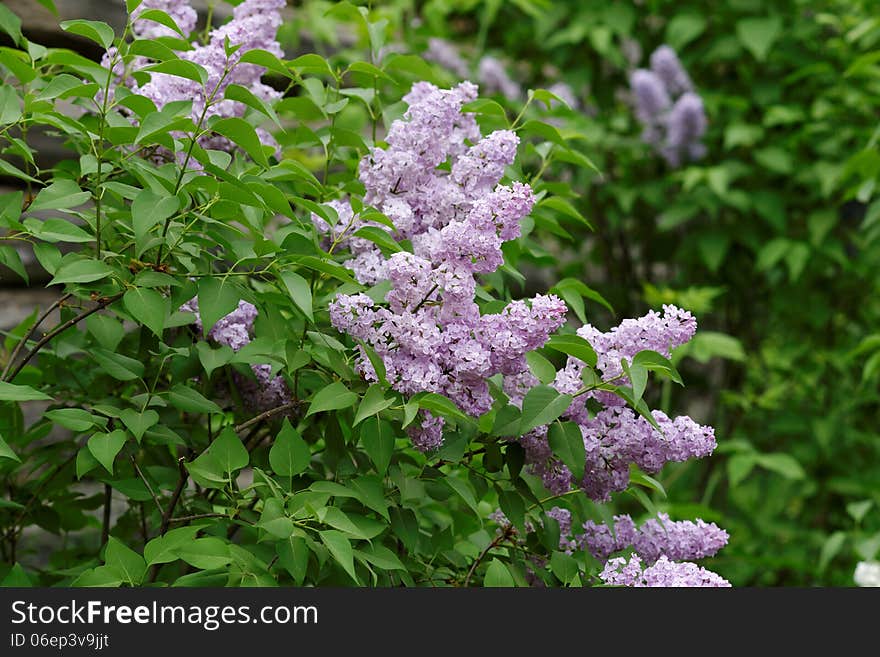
(105, 527)
(147, 484)
(175, 496)
(198, 516)
(60, 329)
(494, 544)
(30, 332)
(267, 414)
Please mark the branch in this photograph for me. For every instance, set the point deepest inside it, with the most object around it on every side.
(147, 484)
(106, 301)
(267, 414)
(30, 332)
(494, 544)
(105, 528)
(199, 516)
(175, 496)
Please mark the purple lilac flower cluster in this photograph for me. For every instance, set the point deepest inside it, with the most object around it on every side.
(683, 540)
(670, 111)
(664, 573)
(234, 330)
(253, 26)
(432, 337)
(615, 436)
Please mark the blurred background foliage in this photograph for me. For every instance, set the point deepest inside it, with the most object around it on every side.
(772, 239)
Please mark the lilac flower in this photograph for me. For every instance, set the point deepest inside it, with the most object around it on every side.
(431, 336)
(664, 573)
(671, 114)
(494, 78)
(446, 55)
(685, 125)
(616, 437)
(234, 331)
(677, 540)
(253, 26)
(665, 63)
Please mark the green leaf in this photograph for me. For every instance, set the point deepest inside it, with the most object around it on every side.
(378, 441)
(380, 238)
(147, 211)
(60, 195)
(6, 451)
(541, 405)
(299, 290)
(498, 576)
(783, 464)
(163, 549)
(243, 95)
(191, 401)
(106, 330)
(332, 398)
(464, 491)
(380, 556)
(573, 345)
(567, 442)
(14, 392)
(373, 402)
(340, 549)
(138, 423)
(97, 31)
(211, 359)
(242, 134)
(180, 68)
(130, 565)
(205, 553)
(16, 577)
(683, 29)
(217, 298)
(758, 34)
(439, 405)
(289, 454)
(11, 24)
(656, 362)
(830, 549)
(158, 16)
(564, 566)
(739, 466)
(80, 271)
(57, 230)
(147, 307)
(105, 446)
(118, 366)
(75, 419)
(228, 450)
(541, 367)
(293, 555)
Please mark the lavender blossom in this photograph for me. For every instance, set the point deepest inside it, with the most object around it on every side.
(616, 437)
(665, 63)
(234, 331)
(494, 78)
(663, 574)
(677, 540)
(446, 55)
(253, 26)
(671, 113)
(431, 336)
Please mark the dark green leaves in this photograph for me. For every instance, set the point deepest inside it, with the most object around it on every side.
(289, 454)
(300, 292)
(242, 134)
(567, 442)
(573, 345)
(331, 398)
(148, 210)
(542, 405)
(99, 32)
(147, 307)
(218, 297)
(105, 446)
